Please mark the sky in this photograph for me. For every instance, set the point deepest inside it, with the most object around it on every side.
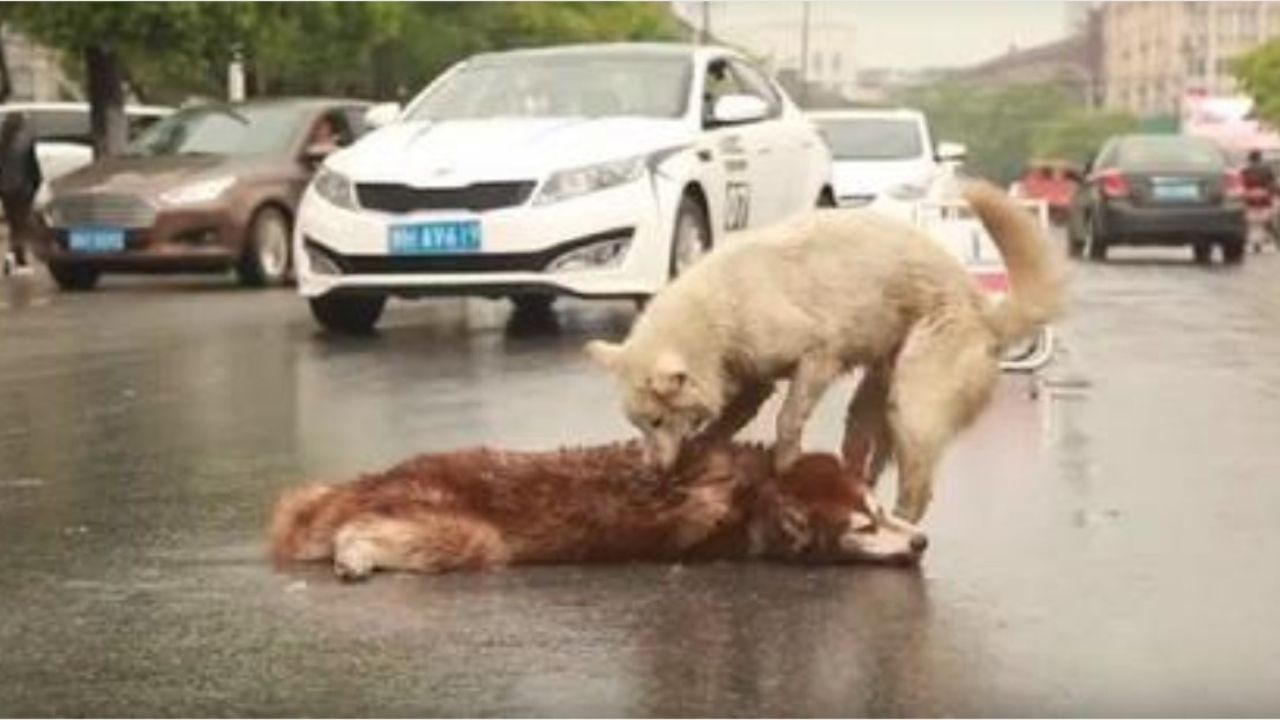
(916, 34)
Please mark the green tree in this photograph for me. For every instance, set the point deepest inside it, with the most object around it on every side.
(1259, 75)
(168, 52)
(1079, 134)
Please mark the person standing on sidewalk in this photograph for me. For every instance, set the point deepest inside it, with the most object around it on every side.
(19, 180)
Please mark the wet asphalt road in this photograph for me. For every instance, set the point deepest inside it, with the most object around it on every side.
(1108, 547)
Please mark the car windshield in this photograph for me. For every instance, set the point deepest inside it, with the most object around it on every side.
(872, 138)
(1171, 151)
(223, 130)
(564, 85)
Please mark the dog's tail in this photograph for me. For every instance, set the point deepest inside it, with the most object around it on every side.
(303, 524)
(1035, 282)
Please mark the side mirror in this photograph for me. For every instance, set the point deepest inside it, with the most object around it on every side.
(951, 152)
(739, 109)
(381, 114)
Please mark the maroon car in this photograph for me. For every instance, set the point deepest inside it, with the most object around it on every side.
(209, 188)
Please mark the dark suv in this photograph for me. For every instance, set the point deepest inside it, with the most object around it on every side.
(1160, 190)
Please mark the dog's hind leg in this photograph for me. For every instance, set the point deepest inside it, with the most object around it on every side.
(429, 542)
(943, 377)
(814, 373)
(867, 444)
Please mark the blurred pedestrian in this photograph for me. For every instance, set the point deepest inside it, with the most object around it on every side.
(19, 180)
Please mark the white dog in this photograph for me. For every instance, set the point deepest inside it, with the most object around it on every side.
(814, 297)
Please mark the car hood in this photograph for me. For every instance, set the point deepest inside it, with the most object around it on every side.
(152, 175)
(459, 152)
(872, 177)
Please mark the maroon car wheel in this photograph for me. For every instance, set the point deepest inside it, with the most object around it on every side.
(265, 260)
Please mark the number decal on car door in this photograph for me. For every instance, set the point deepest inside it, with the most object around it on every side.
(737, 206)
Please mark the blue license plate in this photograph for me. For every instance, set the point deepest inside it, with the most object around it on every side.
(435, 238)
(96, 240)
(1176, 192)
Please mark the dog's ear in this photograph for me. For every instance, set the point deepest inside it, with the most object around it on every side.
(606, 354)
(670, 374)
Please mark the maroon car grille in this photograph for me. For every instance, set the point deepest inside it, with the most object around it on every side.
(477, 197)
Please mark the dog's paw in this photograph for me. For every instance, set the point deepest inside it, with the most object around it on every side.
(351, 567)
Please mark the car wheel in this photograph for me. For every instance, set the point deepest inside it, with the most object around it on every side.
(826, 198)
(1095, 241)
(265, 260)
(691, 238)
(1203, 252)
(74, 278)
(1233, 250)
(348, 314)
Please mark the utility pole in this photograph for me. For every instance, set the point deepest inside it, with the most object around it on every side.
(704, 34)
(804, 53)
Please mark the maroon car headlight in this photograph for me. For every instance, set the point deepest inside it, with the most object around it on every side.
(201, 191)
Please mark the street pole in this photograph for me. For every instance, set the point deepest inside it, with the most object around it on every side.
(235, 76)
(704, 36)
(804, 53)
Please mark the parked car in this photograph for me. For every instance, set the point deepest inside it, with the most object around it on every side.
(209, 188)
(63, 139)
(1159, 190)
(1052, 180)
(592, 170)
(882, 152)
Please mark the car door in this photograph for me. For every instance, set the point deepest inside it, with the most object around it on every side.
(741, 156)
(791, 158)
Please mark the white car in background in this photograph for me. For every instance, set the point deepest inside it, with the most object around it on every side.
(63, 138)
(883, 157)
(593, 170)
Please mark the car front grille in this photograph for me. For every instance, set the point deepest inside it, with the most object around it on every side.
(478, 197)
(125, 211)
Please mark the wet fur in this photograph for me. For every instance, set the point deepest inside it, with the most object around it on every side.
(813, 298)
(484, 508)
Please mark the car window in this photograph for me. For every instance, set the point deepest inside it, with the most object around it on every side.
(60, 125)
(560, 85)
(225, 130)
(873, 138)
(1166, 151)
(332, 127)
(720, 81)
(140, 122)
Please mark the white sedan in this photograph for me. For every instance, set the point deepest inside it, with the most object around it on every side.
(594, 170)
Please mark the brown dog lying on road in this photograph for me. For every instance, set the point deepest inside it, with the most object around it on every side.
(483, 508)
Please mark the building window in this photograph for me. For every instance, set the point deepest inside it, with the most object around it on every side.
(817, 63)
(835, 63)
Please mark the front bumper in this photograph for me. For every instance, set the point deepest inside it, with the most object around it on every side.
(1125, 223)
(195, 238)
(344, 251)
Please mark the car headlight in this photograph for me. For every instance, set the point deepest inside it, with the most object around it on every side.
(907, 192)
(197, 192)
(576, 182)
(336, 188)
(596, 256)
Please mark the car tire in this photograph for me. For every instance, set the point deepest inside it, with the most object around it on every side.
(348, 314)
(73, 277)
(1233, 250)
(1095, 243)
(266, 258)
(826, 198)
(1202, 252)
(690, 238)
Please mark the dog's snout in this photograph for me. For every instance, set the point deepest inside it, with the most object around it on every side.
(919, 543)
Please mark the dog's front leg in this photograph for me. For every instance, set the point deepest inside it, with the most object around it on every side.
(738, 413)
(814, 373)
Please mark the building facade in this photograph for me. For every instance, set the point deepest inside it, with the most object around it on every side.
(34, 72)
(1155, 52)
